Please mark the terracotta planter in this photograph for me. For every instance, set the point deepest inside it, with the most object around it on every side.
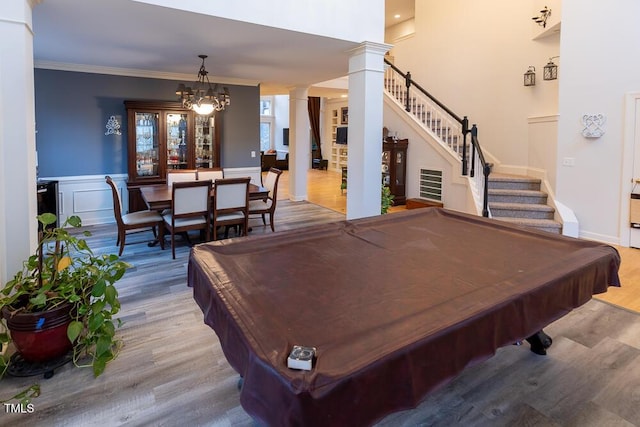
(40, 336)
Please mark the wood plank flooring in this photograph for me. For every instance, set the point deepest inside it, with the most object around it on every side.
(628, 295)
(172, 372)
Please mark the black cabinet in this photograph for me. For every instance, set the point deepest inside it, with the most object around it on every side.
(47, 192)
(394, 168)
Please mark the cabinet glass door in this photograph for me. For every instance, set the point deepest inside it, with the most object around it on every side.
(400, 167)
(147, 153)
(205, 142)
(386, 168)
(177, 155)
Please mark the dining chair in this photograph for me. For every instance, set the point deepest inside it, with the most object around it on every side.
(133, 220)
(254, 173)
(190, 209)
(268, 204)
(181, 175)
(212, 174)
(230, 204)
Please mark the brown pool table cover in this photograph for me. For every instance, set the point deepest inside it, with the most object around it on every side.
(395, 305)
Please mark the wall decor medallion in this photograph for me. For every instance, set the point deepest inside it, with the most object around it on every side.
(113, 126)
(593, 125)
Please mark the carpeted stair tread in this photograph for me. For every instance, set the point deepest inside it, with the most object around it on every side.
(509, 191)
(516, 182)
(521, 210)
(507, 177)
(541, 224)
(521, 206)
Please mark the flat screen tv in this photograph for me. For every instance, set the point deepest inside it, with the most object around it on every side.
(285, 136)
(341, 135)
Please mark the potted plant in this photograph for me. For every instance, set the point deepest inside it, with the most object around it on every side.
(63, 301)
(386, 200)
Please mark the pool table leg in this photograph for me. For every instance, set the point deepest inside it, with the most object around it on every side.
(540, 342)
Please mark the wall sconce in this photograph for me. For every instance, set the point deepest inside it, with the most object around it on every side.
(550, 71)
(530, 76)
(542, 19)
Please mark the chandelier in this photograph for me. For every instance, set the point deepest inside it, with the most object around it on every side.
(203, 98)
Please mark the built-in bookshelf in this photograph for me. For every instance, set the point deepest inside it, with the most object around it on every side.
(339, 152)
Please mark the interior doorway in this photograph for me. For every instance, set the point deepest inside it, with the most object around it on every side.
(630, 176)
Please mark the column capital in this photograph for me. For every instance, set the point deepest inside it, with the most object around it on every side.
(298, 92)
(368, 56)
(370, 47)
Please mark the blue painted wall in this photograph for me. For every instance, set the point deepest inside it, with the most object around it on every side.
(72, 110)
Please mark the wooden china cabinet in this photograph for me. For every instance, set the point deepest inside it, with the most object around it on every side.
(163, 136)
(394, 168)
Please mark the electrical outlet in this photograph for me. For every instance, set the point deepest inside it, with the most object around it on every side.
(568, 161)
(253, 154)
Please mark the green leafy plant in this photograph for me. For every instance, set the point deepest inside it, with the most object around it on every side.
(387, 200)
(24, 397)
(343, 184)
(65, 270)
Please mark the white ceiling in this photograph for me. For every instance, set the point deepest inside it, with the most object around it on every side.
(131, 38)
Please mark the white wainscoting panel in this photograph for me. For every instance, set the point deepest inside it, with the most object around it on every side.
(89, 197)
(85, 201)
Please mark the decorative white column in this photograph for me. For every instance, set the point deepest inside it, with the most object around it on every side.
(299, 143)
(18, 202)
(366, 74)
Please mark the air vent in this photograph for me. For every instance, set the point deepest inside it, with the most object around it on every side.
(431, 184)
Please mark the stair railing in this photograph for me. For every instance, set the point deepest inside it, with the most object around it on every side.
(444, 124)
(481, 182)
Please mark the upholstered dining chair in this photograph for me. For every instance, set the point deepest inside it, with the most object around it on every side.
(230, 204)
(190, 209)
(181, 175)
(133, 220)
(267, 206)
(212, 174)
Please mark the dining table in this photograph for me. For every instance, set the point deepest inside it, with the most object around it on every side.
(158, 197)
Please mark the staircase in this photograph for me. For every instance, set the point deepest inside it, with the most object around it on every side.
(445, 127)
(518, 199)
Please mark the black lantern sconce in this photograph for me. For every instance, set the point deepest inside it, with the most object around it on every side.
(542, 19)
(550, 71)
(530, 76)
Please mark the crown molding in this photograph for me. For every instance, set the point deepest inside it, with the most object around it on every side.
(132, 72)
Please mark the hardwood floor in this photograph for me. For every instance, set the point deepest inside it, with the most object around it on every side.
(628, 295)
(172, 372)
(323, 188)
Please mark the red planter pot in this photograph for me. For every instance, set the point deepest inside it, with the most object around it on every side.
(40, 336)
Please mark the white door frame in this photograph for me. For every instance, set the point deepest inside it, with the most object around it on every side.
(630, 166)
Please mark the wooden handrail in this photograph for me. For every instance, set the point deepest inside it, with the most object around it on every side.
(412, 82)
(464, 122)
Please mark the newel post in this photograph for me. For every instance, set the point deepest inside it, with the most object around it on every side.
(465, 131)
